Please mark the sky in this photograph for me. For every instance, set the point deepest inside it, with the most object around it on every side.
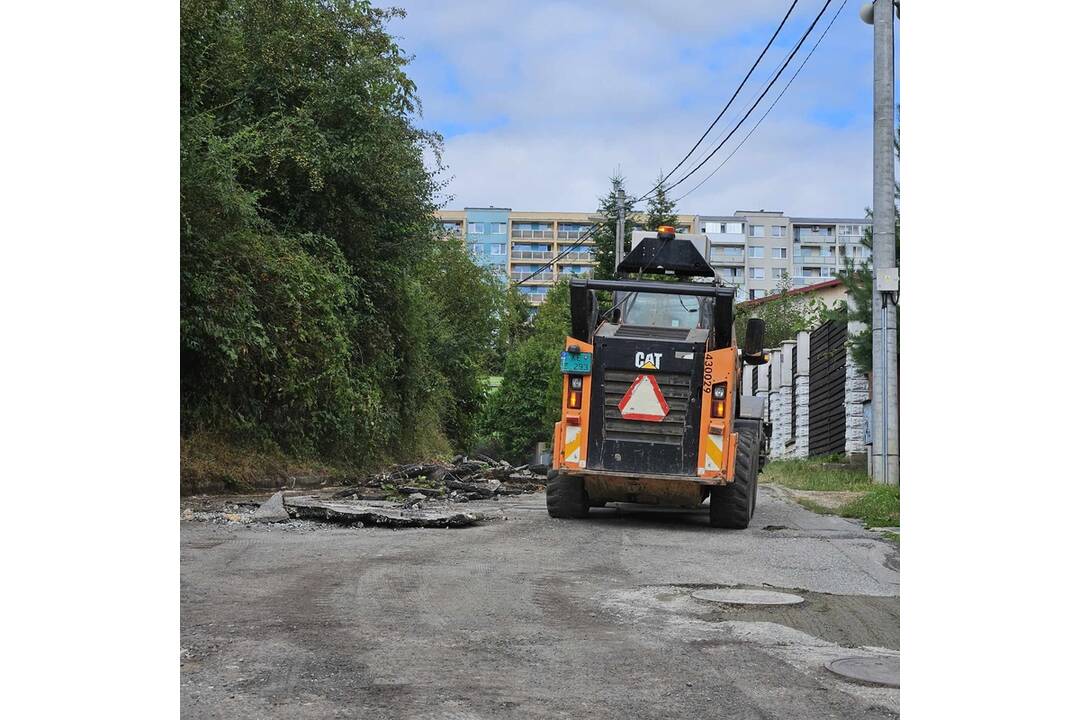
(540, 102)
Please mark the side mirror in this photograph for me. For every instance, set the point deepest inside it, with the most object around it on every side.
(753, 351)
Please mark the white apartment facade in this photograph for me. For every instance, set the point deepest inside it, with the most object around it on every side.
(750, 250)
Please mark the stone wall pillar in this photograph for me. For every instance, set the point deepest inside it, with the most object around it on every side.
(782, 412)
(776, 359)
(763, 386)
(856, 392)
(801, 432)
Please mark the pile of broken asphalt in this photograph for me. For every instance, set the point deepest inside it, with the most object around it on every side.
(416, 495)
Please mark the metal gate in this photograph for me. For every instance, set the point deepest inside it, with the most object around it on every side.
(828, 355)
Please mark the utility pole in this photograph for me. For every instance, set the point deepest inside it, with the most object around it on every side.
(884, 396)
(620, 238)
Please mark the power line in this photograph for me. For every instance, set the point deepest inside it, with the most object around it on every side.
(774, 102)
(772, 82)
(632, 202)
(558, 257)
(728, 105)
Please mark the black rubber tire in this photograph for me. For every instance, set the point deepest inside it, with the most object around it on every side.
(731, 506)
(566, 496)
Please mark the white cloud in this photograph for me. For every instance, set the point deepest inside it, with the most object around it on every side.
(543, 100)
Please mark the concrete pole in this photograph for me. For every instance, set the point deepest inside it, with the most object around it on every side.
(886, 465)
(620, 239)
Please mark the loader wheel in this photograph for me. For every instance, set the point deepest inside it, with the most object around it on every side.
(732, 505)
(566, 496)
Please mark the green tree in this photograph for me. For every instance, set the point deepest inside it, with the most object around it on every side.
(515, 323)
(319, 314)
(784, 316)
(604, 238)
(660, 209)
(524, 409)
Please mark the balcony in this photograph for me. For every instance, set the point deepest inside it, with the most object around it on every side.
(573, 234)
(529, 278)
(727, 258)
(532, 234)
(814, 259)
(821, 236)
(571, 257)
(531, 255)
(536, 298)
(726, 238)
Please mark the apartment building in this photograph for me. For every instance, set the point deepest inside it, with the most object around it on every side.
(751, 249)
(519, 244)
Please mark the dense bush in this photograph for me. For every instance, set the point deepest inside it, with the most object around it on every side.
(318, 313)
(523, 411)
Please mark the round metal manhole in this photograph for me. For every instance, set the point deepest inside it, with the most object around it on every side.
(736, 596)
(875, 670)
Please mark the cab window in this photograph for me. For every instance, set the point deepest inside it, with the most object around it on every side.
(669, 311)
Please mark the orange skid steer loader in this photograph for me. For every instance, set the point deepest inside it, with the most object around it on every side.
(651, 411)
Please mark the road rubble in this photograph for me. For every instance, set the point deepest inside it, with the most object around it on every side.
(414, 495)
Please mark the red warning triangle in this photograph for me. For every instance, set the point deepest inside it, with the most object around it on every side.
(644, 401)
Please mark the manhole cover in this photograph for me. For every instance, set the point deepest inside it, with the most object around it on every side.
(735, 596)
(877, 670)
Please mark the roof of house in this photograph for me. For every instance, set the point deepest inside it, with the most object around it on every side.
(797, 291)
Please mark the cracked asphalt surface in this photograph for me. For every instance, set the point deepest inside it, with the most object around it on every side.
(530, 617)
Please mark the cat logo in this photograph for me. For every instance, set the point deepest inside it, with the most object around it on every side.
(648, 361)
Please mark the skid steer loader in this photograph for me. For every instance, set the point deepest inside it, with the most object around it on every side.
(651, 411)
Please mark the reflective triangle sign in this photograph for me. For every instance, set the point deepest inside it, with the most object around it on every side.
(644, 401)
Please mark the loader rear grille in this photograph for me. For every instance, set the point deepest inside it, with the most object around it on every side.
(670, 431)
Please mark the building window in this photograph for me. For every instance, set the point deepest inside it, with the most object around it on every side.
(777, 273)
(730, 228)
(755, 294)
(757, 272)
(779, 253)
(476, 228)
(757, 231)
(498, 249)
(757, 251)
(778, 231)
(496, 228)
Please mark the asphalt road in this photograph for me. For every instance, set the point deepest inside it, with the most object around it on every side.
(531, 617)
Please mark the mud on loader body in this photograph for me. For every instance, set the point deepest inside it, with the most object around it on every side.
(651, 411)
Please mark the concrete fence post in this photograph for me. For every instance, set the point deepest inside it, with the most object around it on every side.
(856, 392)
(773, 406)
(782, 422)
(763, 385)
(801, 431)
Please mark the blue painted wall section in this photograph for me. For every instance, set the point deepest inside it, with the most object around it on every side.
(488, 236)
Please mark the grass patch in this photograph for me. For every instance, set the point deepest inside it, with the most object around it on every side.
(880, 507)
(876, 505)
(814, 475)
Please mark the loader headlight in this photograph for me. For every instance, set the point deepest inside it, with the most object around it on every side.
(719, 399)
